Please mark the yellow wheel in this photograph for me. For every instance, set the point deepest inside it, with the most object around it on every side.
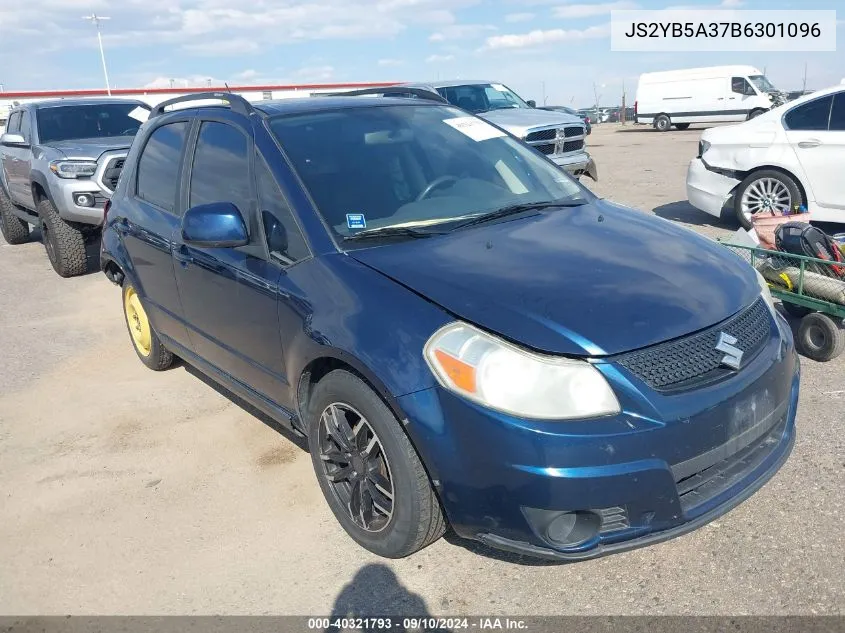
(144, 339)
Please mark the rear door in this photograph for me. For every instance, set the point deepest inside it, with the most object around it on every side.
(230, 295)
(11, 159)
(23, 166)
(148, 221)
(816, 131)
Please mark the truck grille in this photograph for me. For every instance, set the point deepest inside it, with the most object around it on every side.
(546, 148)
(112, 173)
(694, 359)
(573, 130)
(542, 135)
(573, 146)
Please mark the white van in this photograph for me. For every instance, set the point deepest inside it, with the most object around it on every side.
(703, 95)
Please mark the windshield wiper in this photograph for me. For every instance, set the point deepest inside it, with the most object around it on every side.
(392, 231)
(513, 209)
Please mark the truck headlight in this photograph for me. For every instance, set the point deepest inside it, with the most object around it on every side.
(73, 168)
(502, 376)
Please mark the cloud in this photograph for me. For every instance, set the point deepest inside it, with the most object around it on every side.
(575, 11)
(519, 17)
(390, 62)
(539, 38)
(315, 73)
(461, 32)
(435, 59)
(194, 81)
(221, 48)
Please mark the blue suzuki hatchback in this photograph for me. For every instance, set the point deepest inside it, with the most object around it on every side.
(465, 334)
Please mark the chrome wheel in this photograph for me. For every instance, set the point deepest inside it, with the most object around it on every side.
(356, 467)
(766, 195)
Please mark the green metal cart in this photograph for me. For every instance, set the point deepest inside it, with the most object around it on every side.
(812, 290)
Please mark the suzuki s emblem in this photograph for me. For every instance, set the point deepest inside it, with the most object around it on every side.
(733, 355)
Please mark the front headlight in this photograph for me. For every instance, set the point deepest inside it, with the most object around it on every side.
(73, 168)
(502, 376)
(765, 291)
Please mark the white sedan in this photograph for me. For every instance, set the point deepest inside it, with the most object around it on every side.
(790, 156)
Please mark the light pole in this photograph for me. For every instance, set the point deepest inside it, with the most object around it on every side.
(96, 19)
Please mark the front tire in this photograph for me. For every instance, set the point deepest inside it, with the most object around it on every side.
(14, 230)
(65, 244)
(368, 470)
(765, 191)
(662, 123)
(755, 113)
(145, 341)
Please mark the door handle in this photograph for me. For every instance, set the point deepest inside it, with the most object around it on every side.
(810, 142)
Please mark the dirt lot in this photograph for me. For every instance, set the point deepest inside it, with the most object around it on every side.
(125, 491)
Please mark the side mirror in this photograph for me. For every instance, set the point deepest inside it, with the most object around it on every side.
(14, 140)
(531, 103)
(214, 225)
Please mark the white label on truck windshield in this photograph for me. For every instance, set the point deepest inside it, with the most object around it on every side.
(140, 114)
(499, 87)
(474, 128)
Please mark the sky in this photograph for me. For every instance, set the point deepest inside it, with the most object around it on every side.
(553, 51)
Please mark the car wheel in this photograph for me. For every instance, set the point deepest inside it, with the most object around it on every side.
(662, 123)
(368, 470)
(146, 342)
(820, 337)
(755, 113)
(682, 126)
(65, 244)
(765, 191)
(14, 230)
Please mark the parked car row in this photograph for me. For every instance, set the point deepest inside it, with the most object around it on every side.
(465, 335)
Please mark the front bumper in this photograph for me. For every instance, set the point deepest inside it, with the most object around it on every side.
(665, 466)
(62, 194)
(707, 190)
(577, 164)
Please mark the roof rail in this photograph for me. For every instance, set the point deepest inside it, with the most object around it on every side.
(236, 102)
(393, 91)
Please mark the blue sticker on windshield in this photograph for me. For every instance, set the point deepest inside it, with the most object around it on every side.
(356, 221)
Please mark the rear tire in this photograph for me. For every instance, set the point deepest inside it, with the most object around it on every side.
(14, 230)
(820, 337)
(785, 188)
(662, 123)
(795, 310)
(145, 341)
(64, 242)
(392, 525)
(682, 126)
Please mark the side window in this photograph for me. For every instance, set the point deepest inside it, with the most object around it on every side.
(837, 113)
(284, 239)
(741, 86)
(814, 115)
(14, 123)
(220, 171)
(158, 167)
(25, 126)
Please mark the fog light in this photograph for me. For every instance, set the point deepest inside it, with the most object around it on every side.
(564, 529)
(83, 199)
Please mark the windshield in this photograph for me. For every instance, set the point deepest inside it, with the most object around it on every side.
(72, 122)
(477, 98)
(762, 84)
(414, 166)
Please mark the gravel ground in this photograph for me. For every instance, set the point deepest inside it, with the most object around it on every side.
(130, 492)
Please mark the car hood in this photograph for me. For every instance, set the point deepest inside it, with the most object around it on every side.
(518, 121)
(90, 148)
(593, 280)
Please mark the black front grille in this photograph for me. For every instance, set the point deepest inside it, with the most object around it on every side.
(547, 148)
(573, 131)
(701, 487)
(111, 175)
(542, 135)
(573, 146)
(694, 359)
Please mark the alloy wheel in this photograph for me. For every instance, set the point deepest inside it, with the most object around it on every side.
(356, 466)
(766, 195)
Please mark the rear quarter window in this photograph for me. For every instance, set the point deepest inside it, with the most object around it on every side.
(814, 115)
(158, 167)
